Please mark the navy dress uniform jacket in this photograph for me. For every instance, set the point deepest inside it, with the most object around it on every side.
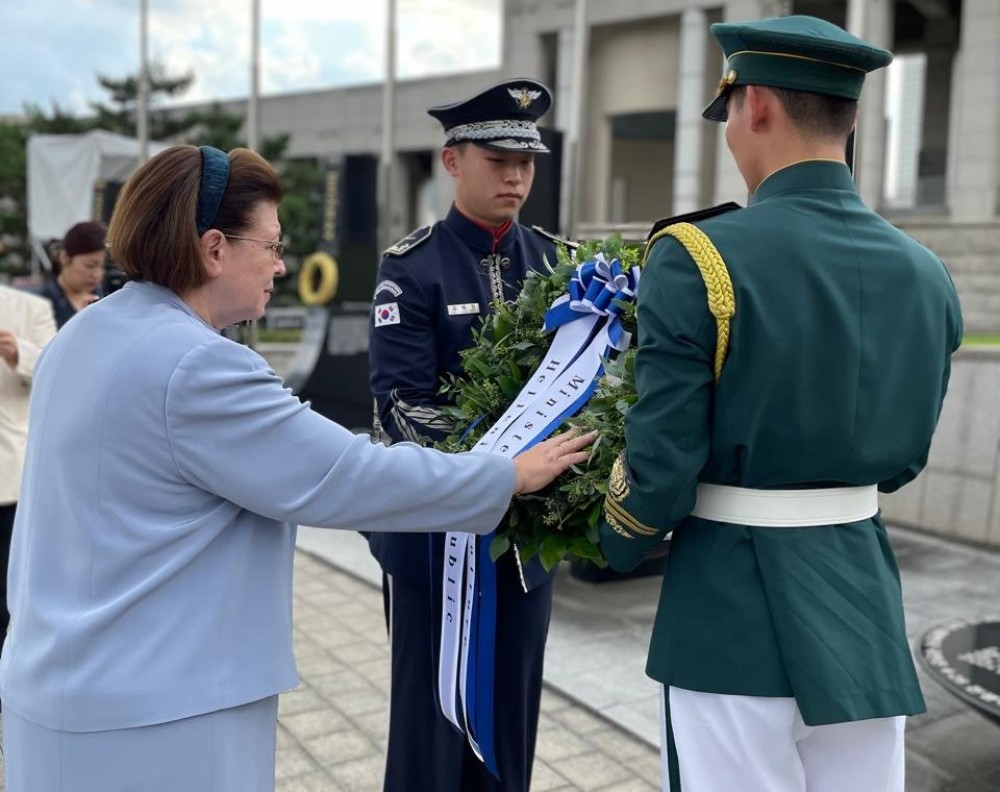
(432, 291)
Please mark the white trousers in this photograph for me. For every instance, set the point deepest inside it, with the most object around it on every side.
(755, 744)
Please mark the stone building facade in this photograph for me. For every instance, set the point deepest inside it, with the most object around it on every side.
(630, 83)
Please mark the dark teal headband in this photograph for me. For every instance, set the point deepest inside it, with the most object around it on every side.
(214, 179)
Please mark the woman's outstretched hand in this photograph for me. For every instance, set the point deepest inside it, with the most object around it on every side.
(540, 464)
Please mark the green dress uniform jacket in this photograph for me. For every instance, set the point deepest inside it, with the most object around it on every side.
(838, 362)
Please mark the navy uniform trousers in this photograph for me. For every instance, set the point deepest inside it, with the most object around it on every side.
(441, 760)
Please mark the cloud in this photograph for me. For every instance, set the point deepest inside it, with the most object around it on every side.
(57, 47)
(439, 36)
(312, 46)
(53, 51)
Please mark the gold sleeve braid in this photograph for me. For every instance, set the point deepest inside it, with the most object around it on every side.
(721, 298)
(722, 305)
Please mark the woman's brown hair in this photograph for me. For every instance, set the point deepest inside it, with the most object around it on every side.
(153, 233)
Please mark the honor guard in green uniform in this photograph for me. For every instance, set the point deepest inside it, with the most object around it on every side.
(793, 359)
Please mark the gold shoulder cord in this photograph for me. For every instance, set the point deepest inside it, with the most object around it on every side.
(721, 299)
(722, 304)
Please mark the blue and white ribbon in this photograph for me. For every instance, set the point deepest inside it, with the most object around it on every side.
(588, 330)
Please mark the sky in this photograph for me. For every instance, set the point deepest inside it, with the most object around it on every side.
(53, 50)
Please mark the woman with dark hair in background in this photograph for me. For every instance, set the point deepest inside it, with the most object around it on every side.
(77, 270)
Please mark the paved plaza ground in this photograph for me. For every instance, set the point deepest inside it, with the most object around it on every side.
(596, 656)
(598, 729)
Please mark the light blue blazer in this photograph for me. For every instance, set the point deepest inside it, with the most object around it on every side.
(151, 565)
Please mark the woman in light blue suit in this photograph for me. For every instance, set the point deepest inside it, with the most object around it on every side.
(150, 573)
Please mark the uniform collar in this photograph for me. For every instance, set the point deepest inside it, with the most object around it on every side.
(478, 236)
(818, 174)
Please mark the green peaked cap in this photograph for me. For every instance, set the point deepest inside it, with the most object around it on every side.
(802, 53)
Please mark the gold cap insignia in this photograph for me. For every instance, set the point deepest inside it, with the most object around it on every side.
(523, 96)
(726, 81)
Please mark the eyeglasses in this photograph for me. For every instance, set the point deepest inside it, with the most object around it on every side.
(276, 248)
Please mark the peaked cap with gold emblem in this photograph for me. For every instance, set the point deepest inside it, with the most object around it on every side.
(502, 118)
(801, 53)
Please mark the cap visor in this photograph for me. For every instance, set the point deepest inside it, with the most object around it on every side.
(717, 110)
(534, 148)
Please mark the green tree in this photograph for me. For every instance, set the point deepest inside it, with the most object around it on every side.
(302, 179)
(214, 127)
(13, 188)
(300, 214)
(120, 115)
(56, 122)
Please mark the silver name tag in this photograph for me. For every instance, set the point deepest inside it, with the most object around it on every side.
(463, 309)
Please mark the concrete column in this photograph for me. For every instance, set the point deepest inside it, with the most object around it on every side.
(690, 124)
(934, 142)
(955, 118)
(572, 57)
(564, 104)
(399, 222)
(974, 170)
(564, 76)
(444, 188)
(872, 20)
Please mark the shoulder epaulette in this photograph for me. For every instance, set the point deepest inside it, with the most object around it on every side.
(553, 238)
(692, 217)
(407, 243)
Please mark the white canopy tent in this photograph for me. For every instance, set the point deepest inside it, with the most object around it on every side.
(63, 171)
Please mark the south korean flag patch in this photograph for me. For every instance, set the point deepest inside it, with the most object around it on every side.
(387, 314)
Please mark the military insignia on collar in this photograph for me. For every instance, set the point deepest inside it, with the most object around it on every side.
(407, 243)
(618, 487)
(524, 96)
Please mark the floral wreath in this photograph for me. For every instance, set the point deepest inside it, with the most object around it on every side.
(562, 520)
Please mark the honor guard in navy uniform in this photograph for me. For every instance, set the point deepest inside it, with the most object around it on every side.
(793, 358)
(432, 290)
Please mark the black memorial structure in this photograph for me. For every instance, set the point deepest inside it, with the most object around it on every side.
(542, 207)
(964, 656)
(104, 199)
(330, 370)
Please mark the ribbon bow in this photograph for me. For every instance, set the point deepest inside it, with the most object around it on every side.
(597, 287)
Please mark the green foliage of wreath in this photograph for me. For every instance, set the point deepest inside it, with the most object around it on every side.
(562, 520)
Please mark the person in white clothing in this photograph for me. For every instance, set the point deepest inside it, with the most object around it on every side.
(26, 325)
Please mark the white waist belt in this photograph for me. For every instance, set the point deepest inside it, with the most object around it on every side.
(785, 508)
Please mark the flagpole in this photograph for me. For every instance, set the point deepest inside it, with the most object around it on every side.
(142, 98)
(253, 116)
(250, 333)
(388, 130)
(574, 134)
